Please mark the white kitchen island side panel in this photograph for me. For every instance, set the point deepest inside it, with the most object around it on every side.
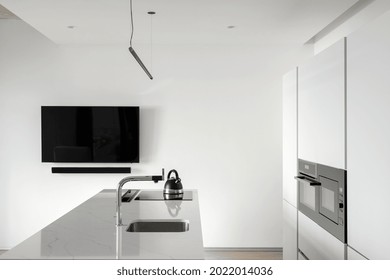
(321, 107)
(368, 139)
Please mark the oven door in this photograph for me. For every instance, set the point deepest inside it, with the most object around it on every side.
(329, 199)
(308, 202)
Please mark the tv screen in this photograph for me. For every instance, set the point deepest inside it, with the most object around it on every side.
(90, 134)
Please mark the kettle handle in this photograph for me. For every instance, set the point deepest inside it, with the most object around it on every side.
(173, 171)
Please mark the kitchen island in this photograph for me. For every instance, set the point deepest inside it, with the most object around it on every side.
(89, 231)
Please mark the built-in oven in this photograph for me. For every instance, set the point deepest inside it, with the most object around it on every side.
(322, 196)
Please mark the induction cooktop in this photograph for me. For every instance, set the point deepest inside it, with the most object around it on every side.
(159, 195)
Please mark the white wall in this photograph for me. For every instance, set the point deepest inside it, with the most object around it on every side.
(372, 10)
(213, 112)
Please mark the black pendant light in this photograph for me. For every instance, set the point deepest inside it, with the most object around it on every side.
(132, 51)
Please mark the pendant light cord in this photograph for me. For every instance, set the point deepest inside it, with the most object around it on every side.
(151, 43)
(131, 50)
(132, 23)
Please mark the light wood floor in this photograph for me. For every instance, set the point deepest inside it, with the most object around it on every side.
(236, 254)
(242, 254)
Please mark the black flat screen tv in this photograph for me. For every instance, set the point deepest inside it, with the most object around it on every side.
(90, 134)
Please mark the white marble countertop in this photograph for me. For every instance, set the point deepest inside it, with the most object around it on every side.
(89, 232)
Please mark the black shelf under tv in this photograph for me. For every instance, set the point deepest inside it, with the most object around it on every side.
(91, 170)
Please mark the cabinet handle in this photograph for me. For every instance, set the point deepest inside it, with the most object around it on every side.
(305, 180)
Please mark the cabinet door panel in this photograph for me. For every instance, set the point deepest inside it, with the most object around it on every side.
(290, 137)
(368, 134)
(316, 243)
(321, 107)
(290, 239)
(353, 255)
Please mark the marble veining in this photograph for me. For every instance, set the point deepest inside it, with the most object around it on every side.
(89, 232)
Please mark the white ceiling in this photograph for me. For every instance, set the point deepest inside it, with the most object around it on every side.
(179, 21)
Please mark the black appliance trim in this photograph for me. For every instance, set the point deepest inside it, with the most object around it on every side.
(91, 170)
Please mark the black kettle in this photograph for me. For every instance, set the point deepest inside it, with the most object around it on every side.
(173, 184)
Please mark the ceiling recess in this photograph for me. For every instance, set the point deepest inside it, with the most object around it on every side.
(6, 14)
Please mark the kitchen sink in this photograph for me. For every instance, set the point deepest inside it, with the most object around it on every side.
(159, 226)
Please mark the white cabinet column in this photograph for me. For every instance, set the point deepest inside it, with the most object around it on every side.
(290, 247)
(290, 137)
(368, 137)
(321, 107)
